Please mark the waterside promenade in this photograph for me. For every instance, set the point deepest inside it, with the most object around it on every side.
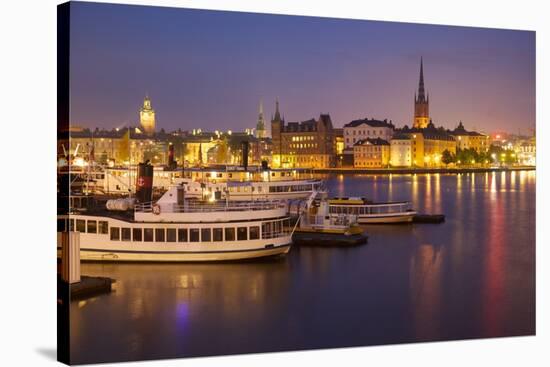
(387, 171)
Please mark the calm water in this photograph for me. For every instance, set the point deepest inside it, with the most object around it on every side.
(471, 277)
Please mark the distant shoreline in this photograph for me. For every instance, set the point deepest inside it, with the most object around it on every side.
(405, 171)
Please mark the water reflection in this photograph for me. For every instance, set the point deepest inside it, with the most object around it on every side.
(472, 276)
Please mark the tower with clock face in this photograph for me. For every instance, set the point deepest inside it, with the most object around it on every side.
(147, 117)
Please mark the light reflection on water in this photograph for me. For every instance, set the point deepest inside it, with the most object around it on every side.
(472, 276)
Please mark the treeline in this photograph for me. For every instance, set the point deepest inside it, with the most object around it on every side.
(468, 157)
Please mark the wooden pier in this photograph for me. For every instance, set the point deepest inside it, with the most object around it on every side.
(429, 218)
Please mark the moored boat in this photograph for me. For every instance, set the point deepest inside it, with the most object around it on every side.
(368, 212)
(316, 227)
(175, 229)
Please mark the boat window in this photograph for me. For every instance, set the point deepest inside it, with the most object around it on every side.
(254, 232)
(115, 234)
(71, 225)
(126, 234)
(92, 226)
(242, 234)
(61, 225)
(171, 235)
(230, 234)
(182, 234)
(194, 235)
(217, 234)
(266, 230)
(103, 227)
(137, 234)
(148, 234)
(159, 234)
(206, 235)
(81, 225)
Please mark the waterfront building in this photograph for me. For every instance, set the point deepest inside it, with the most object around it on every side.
(214, 148)
(400, 151)
(371, 153)
(147, 117)
(426, 146)
(357, 130)
(421, 103)
(261, 132)
(114, 147)
(340, 146)
(526, 151)
(306, 144)
(470, 139)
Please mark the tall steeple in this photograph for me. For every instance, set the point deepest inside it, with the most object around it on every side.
(277, 113)
(260, 125)
(421, 92)
(421, 102)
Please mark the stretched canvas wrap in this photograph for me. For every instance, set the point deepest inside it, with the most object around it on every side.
(236, 183)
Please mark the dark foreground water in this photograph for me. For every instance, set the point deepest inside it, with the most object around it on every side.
(471, 277)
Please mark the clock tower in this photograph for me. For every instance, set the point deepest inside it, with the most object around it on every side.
(147, 117)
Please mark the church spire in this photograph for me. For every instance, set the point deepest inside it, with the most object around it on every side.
(421, 93)
(277, 113)
(260, 125)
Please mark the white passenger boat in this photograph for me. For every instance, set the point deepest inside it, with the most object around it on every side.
(368, 212)
(174, 229)
(207, 183)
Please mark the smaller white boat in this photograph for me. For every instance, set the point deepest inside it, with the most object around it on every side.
(317, 227)
(368, 212)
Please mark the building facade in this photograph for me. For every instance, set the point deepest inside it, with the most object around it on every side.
(470, 139)
(421, 103)
(306, 144)
(367, 129)
(371, 153)
(400, 151)
(426, 147)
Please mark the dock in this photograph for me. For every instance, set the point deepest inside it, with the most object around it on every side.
(429, 218)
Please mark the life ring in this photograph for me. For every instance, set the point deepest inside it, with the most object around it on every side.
(156, 209)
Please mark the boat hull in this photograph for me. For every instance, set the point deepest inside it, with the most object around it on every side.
(387, 219)
(181, 256)
(308, 238)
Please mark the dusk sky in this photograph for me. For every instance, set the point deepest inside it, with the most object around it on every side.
(209, 69)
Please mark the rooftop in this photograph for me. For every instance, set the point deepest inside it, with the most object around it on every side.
(371, 123)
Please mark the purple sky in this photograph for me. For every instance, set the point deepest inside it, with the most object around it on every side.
(209, 69)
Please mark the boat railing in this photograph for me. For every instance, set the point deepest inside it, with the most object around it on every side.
(201, 207)
(276, 234)
(343, 220)
(378, 208)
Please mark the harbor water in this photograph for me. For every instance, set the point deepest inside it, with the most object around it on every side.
(470, 277)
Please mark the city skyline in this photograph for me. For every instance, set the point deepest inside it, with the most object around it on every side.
(199, 76)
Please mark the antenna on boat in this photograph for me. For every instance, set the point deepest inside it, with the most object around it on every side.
(129, 165)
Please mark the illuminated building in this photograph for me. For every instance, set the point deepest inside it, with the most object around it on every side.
(147, 117)
(367, 129)
(306, 144)
(426, 146)
(116, 147)
(214, 148)
(421, 103)
(400, 151)
(371, 153)
(470, 139)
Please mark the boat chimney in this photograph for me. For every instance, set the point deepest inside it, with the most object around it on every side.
(244, 149)
(171, 161)
(180, 195)
(144, 182)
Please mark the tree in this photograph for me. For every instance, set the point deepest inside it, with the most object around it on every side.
(447, 157)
